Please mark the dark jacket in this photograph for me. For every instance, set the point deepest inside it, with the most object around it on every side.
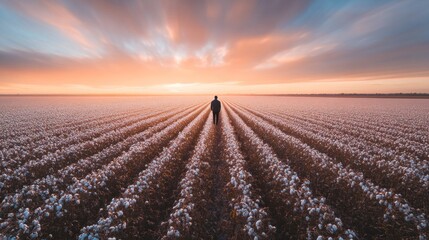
(215, 106)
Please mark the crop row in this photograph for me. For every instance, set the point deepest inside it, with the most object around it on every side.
(406, 176)
(300, 212)
(18, 122)
(190, 211)
(32, 196)
(398, 122)
(138, 208)
(33, 133)
(50, 163)
(80, 202)
(248, 214)
(22, 152)
(370, 208)
(392, 139)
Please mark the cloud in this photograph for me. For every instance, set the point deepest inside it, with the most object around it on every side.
(248, 41)
(21, 60)
(379, 45)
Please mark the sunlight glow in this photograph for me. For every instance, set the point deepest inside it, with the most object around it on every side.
(166, 48)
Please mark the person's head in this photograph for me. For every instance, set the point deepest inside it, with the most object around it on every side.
(215, 97)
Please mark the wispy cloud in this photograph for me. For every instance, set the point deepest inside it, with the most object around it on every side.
(142, 44)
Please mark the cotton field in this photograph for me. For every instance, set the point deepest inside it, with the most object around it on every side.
(158, 168)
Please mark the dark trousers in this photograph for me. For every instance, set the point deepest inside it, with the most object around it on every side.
(215, 117)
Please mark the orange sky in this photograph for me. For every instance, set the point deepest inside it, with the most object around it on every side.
(169, 47)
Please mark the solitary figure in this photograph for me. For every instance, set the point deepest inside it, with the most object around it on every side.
(215, 107)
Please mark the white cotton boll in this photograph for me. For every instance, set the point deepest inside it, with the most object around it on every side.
(251, 231)
(254, 211)
(90, 237)
(334, 228)
(68, 197)
(319, 238)
(245, 213)
(35, 223)
(397, 203)
(329, 227)
(26, 213)
(3, 225)
(233, 182)
(188, 218)
(83, 236)
(386, 217)
(407, 218)
(21, 225)
(120, 213)
(258, 224)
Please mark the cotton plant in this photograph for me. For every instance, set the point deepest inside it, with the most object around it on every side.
(88, 187)
(244, 203)
(115, 220)
(317, 217)
(344, 175)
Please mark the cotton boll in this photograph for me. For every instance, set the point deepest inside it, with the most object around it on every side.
(258, 224)
(26, 213)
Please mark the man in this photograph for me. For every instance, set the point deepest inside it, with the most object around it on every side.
(215, 107)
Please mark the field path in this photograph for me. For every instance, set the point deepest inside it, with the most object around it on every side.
(219, 207)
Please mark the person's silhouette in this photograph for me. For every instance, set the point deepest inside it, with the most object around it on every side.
(215, 107)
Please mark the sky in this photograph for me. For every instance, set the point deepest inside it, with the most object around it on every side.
(213, 47)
